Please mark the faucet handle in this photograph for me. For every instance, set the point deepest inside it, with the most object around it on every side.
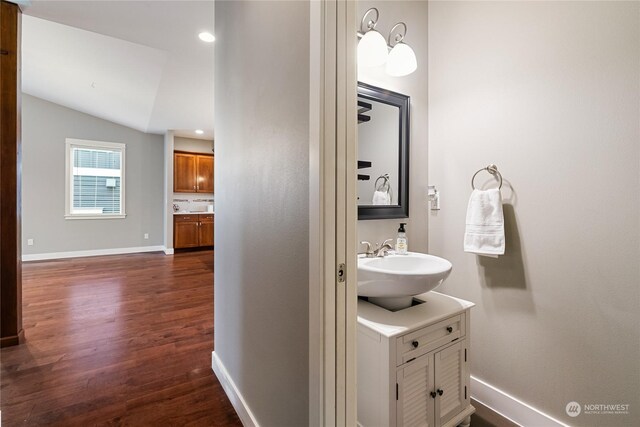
(388, 242)
(368, 252)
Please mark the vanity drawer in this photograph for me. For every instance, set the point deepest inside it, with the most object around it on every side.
(186, 218)
(424, 340)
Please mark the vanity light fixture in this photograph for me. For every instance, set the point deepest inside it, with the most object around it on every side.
(199, 131)
(402, 60)
(372, 48)
(206, 36)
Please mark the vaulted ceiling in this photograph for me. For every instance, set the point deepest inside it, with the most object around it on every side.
(136, 63)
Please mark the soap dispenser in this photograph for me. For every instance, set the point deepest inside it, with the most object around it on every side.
(401, 240)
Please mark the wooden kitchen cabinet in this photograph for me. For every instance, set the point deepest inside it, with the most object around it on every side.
(205, 231)
(184, 173)
(204, 168)
(192, 230)
(192, 172)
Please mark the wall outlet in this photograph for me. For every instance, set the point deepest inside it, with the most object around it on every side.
(30, 242)
(146, 235)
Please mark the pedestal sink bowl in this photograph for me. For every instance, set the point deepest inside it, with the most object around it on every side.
(393, 280)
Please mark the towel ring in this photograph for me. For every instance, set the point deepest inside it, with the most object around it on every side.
(385, 177)
(493, 170)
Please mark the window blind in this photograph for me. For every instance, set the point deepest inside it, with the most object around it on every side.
(96, 181)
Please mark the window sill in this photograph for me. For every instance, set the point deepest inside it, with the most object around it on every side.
(80, 216)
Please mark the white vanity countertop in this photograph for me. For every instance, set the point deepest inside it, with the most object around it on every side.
(194, 213)
(436, 307)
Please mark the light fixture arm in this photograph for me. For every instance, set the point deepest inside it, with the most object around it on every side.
(399, 35)
(370, 25)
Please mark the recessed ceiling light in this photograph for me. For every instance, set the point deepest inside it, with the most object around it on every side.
(207, 37)
(199, 131)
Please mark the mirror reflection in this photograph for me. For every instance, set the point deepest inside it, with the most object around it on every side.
(383, 153)
(378, 152)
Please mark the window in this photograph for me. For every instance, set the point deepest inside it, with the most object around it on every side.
(95, 179)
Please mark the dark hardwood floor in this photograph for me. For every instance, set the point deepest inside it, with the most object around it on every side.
(116, 340)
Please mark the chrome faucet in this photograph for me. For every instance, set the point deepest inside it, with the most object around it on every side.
(386, 246)
(369, 253)
(377, 251)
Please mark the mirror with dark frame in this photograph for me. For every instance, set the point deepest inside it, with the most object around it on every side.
(383, 153)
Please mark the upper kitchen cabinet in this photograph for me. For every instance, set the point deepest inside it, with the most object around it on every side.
(192, 173)
(204, 168)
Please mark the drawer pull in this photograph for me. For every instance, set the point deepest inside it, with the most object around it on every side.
(440, 392)
(433, 394)
(449, 329)
(415, 344)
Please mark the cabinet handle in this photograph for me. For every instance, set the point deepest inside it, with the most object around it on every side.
(449, 329)
(415, 344)
(197, 187)
(440, 392)
(194, 187)
(433, 394)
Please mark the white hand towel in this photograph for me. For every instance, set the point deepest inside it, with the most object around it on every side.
(381, 198)
(484, 234)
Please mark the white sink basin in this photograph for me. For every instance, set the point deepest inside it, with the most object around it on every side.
(392, 281)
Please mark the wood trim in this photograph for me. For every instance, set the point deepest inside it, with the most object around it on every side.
(233, 393)
(11, 332)
(90, 253)
(487, 417)
(509, 407)
(12, 340)
(332, 213)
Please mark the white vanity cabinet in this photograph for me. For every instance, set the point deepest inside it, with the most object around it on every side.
(413, 364)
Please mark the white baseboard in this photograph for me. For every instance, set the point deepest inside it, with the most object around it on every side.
(96, 252)
(510, 407)
(167, 251)
(238, 402)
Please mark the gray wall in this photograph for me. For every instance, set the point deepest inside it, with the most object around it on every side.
(262, 197)
(548, 91)
(45, 126)
(414, 14)
(192, 144)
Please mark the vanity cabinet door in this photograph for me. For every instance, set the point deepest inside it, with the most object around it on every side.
(433, 389)
(184, 173)
(451, 382)
(414, 401)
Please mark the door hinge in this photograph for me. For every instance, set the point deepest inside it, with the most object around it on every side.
(341, 274)
(396, 391)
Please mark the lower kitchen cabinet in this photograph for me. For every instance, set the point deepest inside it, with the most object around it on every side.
(413, 364)
(192, 230)
(205, 232)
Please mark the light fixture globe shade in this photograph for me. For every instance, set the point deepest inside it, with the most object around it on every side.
(401, 61)
(372, 49)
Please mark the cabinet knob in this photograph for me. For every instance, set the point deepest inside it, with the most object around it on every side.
(440, 392)
(415, 344)
(433, 394)
(194, 187)
(449, 329)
